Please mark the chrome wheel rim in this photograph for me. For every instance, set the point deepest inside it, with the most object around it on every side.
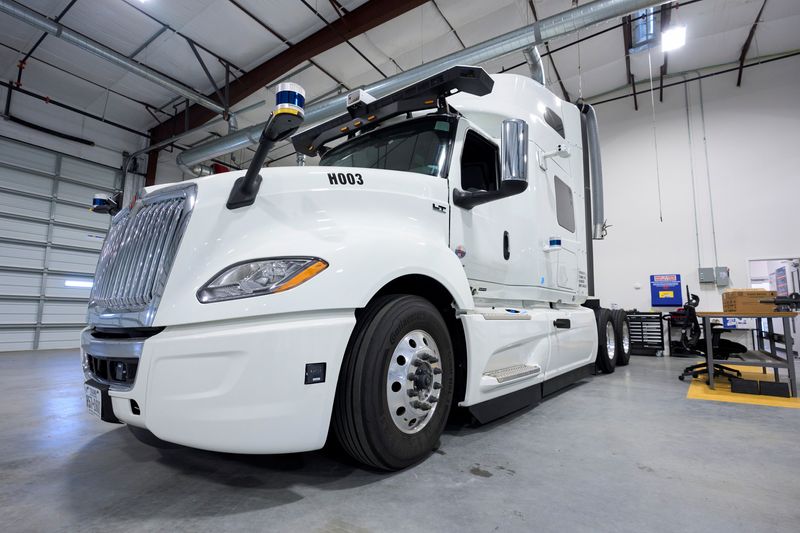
(414, 381)
(611, 345)
(626, 338)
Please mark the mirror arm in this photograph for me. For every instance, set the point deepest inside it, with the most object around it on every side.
(469, 199)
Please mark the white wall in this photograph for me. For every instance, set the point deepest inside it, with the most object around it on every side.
(753, 135)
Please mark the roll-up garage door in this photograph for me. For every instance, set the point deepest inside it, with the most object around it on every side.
(49, 243)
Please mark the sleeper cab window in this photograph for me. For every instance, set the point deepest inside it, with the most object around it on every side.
(554, 121)
(480, 164)
(565, 210)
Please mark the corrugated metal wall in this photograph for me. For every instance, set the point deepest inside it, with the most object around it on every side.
(49, 241)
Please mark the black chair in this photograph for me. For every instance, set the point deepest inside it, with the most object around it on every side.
(692, 341)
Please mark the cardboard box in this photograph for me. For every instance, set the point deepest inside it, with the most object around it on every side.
(747, 301)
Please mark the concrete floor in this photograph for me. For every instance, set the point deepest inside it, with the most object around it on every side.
(625, 452)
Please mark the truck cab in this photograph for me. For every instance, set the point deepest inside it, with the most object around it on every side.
(436, 257)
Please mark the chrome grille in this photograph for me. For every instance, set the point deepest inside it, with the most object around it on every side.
(138, 253)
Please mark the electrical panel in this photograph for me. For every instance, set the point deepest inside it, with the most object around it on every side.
(722, 276)
(706, 275)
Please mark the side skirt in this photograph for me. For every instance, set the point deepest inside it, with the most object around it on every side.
(490, 410)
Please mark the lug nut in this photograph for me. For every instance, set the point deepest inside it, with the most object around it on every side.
(433, 399)
(412, 393)
(437, 386)
(423, 406)
(437, 371)
(411, 376)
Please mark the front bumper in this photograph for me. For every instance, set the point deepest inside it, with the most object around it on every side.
(235, 386)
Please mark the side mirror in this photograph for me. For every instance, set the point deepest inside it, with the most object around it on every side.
(513, 164)
(514, 150)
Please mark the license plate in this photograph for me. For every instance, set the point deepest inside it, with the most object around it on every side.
(94, 400)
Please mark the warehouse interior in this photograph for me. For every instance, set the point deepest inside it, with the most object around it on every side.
(698, 116)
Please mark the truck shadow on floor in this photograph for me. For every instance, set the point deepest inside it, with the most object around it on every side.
(134, 481)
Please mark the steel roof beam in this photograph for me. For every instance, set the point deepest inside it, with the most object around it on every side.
(746, 46)
(550, 55)
(43, 23)
(627, 39)
(356, 22)
(346, 40)
(284, 40)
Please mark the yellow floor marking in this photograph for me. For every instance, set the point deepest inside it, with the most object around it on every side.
(698, 390)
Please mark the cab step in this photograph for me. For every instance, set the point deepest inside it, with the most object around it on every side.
(511, 373)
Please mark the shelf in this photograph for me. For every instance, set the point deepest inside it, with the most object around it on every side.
(754, 358)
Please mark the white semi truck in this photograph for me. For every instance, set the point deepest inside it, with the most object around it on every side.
(436, 257)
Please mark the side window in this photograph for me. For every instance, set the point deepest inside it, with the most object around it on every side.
(565, 210)
(480, 164)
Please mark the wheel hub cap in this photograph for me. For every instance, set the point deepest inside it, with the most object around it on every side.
(611, 345)
(414, 381)
(626, 338)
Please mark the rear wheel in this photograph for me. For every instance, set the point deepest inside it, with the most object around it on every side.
(622, 336)
(396, 384)
(606, 340)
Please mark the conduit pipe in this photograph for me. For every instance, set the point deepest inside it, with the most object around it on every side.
(544, 30)
(44, 24)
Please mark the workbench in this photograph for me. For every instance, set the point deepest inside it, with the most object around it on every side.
(758, 357)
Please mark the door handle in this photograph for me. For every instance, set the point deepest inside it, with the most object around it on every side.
(506, 251)
(562, 323)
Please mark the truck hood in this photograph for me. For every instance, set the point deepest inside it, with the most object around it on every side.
(352, 218)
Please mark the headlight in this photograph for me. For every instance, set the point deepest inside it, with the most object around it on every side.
(260, 276)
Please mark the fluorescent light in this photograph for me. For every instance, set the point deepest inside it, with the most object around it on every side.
(78, 283)
(673, 38)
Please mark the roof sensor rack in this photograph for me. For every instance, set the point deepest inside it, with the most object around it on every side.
(365, 112)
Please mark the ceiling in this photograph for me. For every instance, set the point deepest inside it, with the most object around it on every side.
(156, 31)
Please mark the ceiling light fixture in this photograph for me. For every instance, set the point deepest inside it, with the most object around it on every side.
(673, 38)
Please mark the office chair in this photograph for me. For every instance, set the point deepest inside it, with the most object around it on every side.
(693, 342)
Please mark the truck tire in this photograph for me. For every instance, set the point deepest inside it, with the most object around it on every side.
(606, 342)
(622, 336)
(396, 383)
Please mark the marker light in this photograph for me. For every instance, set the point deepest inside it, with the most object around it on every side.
(261, 276)
(673, 38)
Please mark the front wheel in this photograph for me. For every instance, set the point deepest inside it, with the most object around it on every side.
(396, 384)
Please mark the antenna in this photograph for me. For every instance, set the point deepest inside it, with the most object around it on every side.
(284, 120)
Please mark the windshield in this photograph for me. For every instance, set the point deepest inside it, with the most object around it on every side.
(419, 145)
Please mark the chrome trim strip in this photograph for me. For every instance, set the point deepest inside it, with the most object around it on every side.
(112, 348)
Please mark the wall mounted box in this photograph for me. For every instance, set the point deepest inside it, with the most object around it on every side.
(665, 290)
(722, 276)
(706, 274)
